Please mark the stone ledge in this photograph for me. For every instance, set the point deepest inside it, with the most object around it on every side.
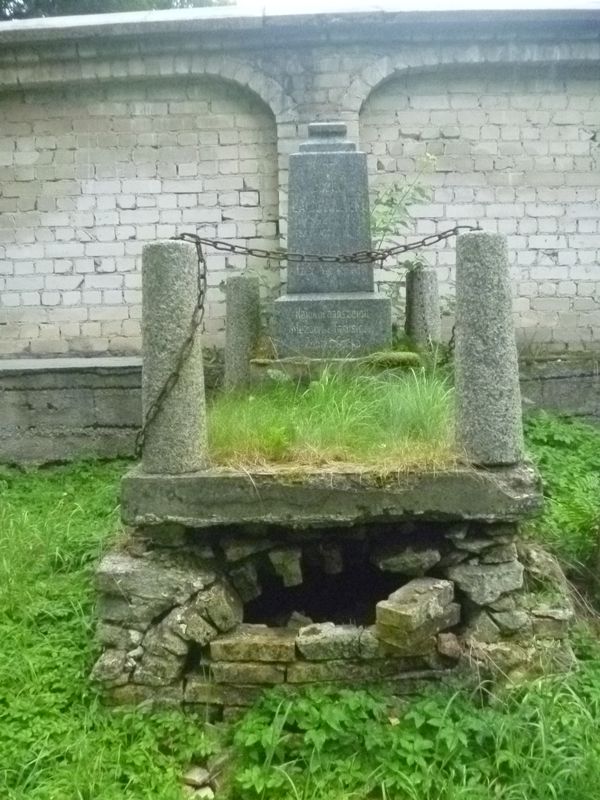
(318, 498)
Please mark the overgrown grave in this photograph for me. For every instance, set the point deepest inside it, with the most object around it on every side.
(234, 578)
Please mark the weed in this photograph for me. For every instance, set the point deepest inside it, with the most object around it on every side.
(398, 420)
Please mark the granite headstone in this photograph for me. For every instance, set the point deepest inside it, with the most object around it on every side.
(330, 308)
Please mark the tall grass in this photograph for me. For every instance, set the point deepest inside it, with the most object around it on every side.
(57, 741)
(401, 421)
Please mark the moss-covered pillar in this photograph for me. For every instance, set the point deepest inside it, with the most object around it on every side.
(175, 440)
(488, 398)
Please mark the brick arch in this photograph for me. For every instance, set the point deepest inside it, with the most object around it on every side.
(250, 78)
(425, 59)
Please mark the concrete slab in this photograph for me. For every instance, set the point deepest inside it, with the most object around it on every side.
(315, 498)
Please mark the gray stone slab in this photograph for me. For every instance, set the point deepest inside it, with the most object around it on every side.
(328, 212)
(312, 499)
(336, 325)
(488, 399)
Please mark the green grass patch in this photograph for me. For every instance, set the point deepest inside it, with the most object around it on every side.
(567, 453)
(397, 421)
(57, 742)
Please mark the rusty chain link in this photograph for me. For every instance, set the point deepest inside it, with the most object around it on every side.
(358, 257)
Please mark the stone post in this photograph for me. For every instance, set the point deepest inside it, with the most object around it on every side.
(488, 398)
(242, 328)
(422, 323)
(176, 438)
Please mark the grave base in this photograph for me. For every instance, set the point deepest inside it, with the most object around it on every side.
(201, 614)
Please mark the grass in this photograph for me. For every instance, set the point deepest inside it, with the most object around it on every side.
(400, 421)
(568, 455)
(58, 742)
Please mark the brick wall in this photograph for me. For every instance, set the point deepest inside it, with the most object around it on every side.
(518, 154)
(111, 138)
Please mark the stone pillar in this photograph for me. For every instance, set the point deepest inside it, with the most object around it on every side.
(488, 398)
(330, 309)
(176, 438)
(422, 323)
(242, 328)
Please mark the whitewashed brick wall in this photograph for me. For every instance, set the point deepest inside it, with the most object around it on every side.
(107, 143)
(87, 176)
(518, 154)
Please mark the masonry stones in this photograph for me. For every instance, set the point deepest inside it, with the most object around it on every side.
(406, 559)
(488, 398)
(485, 583)
(242, 328)
(330, 309)
(175, 440)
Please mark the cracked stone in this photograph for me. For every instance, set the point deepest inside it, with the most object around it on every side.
(485, 583)
(221, 605)
(324, 641)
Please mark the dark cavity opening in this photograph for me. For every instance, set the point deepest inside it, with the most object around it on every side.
(348, 597)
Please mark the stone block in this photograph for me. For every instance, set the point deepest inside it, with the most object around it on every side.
(287, 563)
(405, 559)
(163, 637)
(112, 668)
(140, 589)
(117, 636)
(148, 696)
(244, 578)
(199, 690)
(250, 673)
(343, 324)
(353, 672)
(237, 549)
(482, 628)
(255, 643)
(499, 554)
(485, 583)
(221, 605)
(325, 641)
(416, 604)
(159, 669)
(514, 621)
(396, 642)
(449, 646)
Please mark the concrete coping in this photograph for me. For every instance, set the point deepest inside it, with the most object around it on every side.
(320, 498)
(269, 14)
(68, 364)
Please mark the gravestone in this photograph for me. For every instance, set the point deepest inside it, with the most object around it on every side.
(330, 309)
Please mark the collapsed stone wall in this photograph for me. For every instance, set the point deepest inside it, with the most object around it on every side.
(213, 617)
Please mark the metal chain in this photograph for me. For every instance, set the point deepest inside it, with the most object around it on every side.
(182, 355)
(359, 257)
